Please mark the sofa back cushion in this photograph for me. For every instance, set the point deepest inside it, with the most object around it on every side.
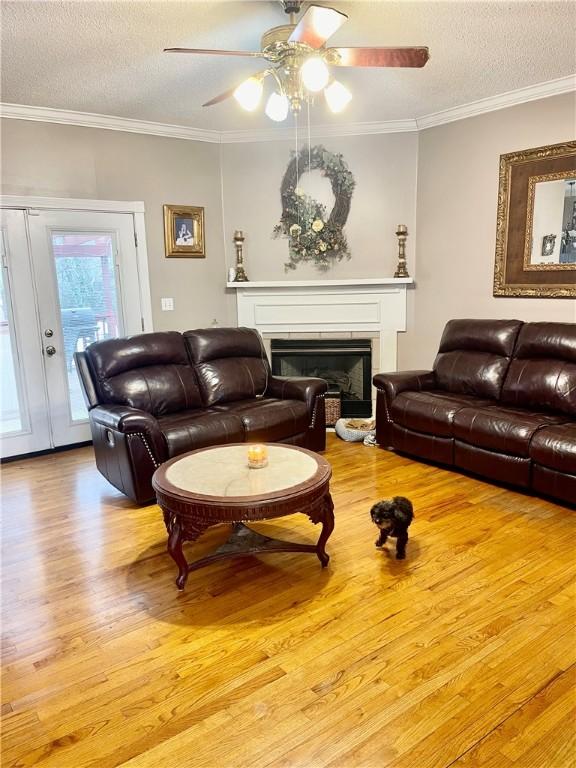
(542, 373)
(474, 356)
(230, 363)
(150, 371)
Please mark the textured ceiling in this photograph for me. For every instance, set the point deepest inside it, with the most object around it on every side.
(106, 57)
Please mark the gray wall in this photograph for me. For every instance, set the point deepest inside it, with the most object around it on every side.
(384, 167)
(69, 161)
(446, 177)
(458, 166)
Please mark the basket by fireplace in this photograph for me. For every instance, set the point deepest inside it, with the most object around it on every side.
(333, 403)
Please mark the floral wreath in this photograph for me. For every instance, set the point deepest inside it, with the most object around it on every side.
(313, 235)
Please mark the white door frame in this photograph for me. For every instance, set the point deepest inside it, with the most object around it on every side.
(136, 208)
(34, 434)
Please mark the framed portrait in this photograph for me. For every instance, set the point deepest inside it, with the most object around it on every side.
(536, 223)
(184, 231)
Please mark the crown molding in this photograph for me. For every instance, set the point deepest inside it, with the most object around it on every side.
(108, 122)
(320, 131)
(112, 123)
(501, 101)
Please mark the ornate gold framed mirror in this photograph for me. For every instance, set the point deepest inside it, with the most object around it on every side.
(536, 223)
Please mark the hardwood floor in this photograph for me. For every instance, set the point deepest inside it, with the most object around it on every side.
(462, 655)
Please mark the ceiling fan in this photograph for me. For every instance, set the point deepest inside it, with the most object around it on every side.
(300, 62)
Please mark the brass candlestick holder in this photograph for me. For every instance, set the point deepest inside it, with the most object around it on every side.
(401, 234)
(241, 276)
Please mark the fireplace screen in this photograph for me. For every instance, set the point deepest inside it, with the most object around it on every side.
(345, 364)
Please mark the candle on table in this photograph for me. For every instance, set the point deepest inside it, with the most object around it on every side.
(257, 456)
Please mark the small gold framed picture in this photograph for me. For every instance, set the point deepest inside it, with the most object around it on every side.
(184, 231)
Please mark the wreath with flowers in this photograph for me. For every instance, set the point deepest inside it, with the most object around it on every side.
(312, 234)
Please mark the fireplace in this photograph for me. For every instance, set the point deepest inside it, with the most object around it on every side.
(345, 364)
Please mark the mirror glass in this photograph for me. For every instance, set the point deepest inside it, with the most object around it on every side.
(554, 222)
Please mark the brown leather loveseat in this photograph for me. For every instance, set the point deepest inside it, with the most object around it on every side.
(499, 402)
(154, 396)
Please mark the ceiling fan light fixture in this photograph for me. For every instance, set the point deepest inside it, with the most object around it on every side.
(315, 74)
(337, 96)
(277, 107)
(249, 93)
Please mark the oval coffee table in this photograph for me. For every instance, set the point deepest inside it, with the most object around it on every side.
(215, 485)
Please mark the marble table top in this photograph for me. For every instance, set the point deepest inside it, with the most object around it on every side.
(223, 471)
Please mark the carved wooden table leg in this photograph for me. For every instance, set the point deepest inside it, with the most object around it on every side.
(327, 521)
(175, 551)
(179, 531)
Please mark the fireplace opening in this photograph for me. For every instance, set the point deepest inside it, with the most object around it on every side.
(345, 364)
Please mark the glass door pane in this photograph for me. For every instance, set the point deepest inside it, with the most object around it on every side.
(10, 409)
(88, 299)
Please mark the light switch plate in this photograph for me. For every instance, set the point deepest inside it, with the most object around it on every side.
(167, 305)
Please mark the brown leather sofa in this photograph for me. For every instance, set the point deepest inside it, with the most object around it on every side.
(500, 402)
(157, 395)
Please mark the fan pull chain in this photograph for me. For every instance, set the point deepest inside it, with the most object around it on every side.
(297, 168)
(309, 139)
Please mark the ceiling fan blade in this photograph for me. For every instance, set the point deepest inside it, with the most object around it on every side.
(317, 25)
(211, 52)
(221, 97)
(230, 92)
(381, 57)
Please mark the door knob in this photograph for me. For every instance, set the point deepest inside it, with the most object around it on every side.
(50, 351)
(49, 332)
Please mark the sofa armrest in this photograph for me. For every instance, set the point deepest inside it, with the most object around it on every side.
(389, 386)
(131, 421)
(311, 391)
(297, 388)
(392, 384)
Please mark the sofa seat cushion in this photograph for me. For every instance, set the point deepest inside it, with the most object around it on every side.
(268, 419)
(500, 429)
(189, 430)
(432, 411)
(555, 447)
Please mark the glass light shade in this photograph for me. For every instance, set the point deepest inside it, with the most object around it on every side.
(325, 22)
(315, 74)
(277, 107)
(337, 96)
(249, 93)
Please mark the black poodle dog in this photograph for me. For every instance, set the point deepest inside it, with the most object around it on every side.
(393, 517)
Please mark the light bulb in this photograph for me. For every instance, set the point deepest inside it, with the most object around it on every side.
(277, 107)
(337, 96)
(315, 74)
(249, 93)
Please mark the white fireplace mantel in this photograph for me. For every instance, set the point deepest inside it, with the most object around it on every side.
(370, 305)
(323, 283)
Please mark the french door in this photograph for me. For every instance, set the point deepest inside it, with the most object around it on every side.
(70, 278)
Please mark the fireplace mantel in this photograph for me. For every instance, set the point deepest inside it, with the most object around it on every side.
(257, 285)
(339, 307)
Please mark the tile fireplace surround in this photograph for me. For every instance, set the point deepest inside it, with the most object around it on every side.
(373, 308)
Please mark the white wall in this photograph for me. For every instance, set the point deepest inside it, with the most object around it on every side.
(69, 161)
(384, 167)
(458, 166)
